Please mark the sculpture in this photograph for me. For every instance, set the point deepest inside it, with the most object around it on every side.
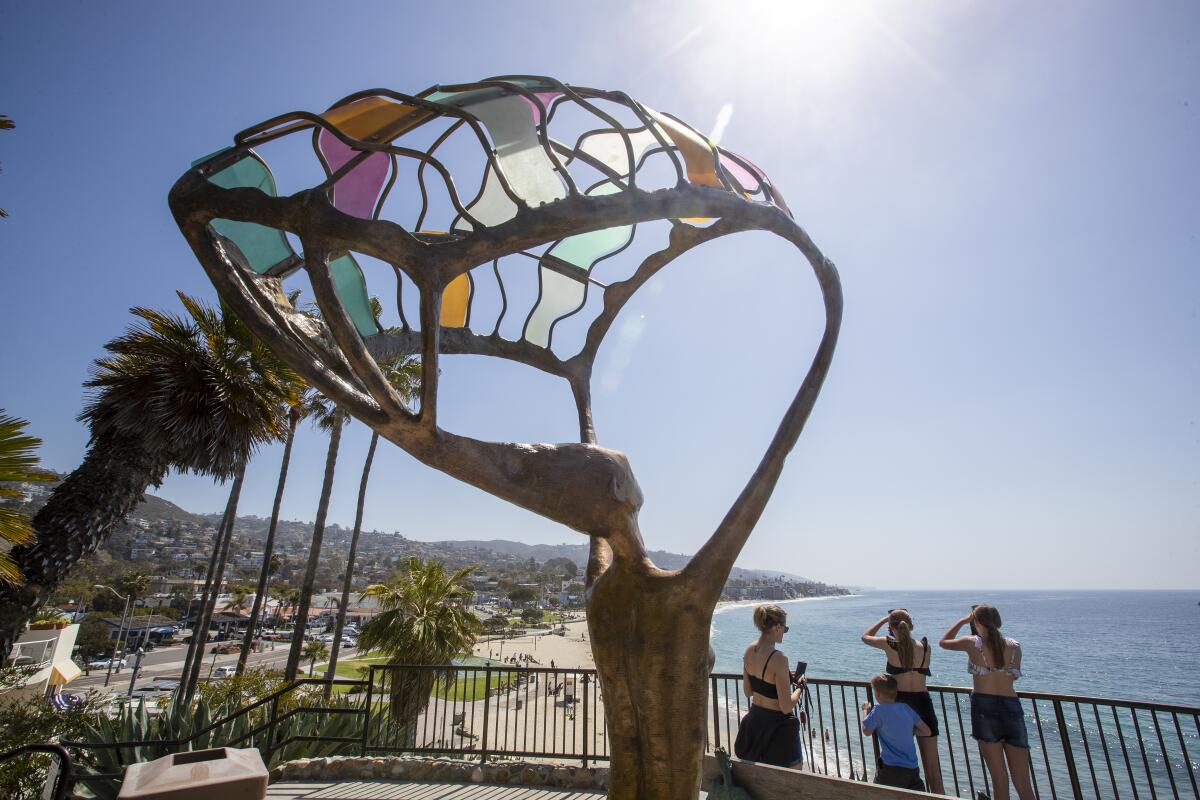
(580, 203)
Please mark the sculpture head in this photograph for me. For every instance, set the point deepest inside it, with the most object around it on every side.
(465, 191)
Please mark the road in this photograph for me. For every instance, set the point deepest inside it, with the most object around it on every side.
(167, 662)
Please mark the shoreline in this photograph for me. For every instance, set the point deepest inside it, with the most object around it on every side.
(574, 650)
(729, 605)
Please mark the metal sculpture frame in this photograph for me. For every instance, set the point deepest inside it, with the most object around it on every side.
(649, 627)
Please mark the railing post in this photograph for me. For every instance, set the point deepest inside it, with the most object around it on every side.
(1065, 738)
(487, 694)
(585, 720)
(716, 722)
(367, 710)
(271, 729)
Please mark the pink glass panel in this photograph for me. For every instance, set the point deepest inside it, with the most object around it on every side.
(546, 98)
(356, 192)
(746, 179)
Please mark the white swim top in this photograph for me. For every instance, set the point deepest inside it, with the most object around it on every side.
(1010, 668)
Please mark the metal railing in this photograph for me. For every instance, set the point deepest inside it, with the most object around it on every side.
(1080, 747)
(526, 712)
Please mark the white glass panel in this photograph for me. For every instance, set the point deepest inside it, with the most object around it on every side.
(560, 295)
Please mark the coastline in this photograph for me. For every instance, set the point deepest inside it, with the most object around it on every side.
(574, 650)
(728, 605)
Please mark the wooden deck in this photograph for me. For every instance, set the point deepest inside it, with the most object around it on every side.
(412, 790)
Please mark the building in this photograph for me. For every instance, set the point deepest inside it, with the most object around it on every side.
(48, 654)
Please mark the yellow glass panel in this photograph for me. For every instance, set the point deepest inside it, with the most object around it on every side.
(454, 302)
(375, 119)
(697, 153)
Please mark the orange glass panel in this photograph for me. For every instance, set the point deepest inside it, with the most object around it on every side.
(455, 297)
(697, 154)
(375, 119)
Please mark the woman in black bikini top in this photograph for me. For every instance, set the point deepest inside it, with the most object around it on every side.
(770, 732)
(908, 661)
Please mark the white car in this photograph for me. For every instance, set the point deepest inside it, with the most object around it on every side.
(225, 671)
(102, 663)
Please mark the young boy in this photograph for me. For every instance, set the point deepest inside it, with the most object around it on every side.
(895, 724)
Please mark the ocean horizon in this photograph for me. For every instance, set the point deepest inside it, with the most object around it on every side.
(1122, 643)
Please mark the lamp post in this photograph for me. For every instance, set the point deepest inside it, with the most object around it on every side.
(120, 629)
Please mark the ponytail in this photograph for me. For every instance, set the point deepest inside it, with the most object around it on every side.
(989, 618)
(901, 624)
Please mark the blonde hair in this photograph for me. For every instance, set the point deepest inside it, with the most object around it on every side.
(885, 687)
(768, 616)
(901, 624)
(989, 618)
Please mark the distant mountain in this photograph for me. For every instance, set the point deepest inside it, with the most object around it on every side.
(579, 554)
(156, 509)
(151, 509)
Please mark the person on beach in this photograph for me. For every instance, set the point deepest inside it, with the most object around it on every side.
(908, 663)
(997, 719)
(770, 731)
(894, 725)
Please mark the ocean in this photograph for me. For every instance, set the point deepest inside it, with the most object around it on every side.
(1132, 645)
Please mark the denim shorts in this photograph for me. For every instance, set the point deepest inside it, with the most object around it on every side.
(997, 718)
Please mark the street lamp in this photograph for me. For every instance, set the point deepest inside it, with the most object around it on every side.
(120, 628)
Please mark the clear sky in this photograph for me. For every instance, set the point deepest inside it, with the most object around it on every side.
(1011, 192)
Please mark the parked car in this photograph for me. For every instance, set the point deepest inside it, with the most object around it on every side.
(225, 671)
(102, 663)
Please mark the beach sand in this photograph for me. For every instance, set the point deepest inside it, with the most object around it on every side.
(573, 650)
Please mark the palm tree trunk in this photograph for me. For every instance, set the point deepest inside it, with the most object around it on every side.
(314, 553)
(78, 517)
(264, 576)
(200, 634)
(358, 516)
(194, 644)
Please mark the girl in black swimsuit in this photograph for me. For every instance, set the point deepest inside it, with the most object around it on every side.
(908, 661)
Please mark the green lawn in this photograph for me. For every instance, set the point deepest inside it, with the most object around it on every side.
(466, 688)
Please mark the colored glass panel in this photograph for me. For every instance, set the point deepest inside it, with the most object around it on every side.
(355, 192)
(560, 295)
(583, 249)
(529, 170)
(608, 147)
(493, 205)
(376, 119)
(351, 288)
(455, 299)
(746, 180)
(262, 247)
(695, 149)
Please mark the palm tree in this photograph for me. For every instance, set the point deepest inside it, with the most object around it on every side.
(6, 124)
(331, 419)
(425, 619)
(172, 393)
(224, 333)
(314, 651)
(18, 464)
(271, 561)
(404, 375)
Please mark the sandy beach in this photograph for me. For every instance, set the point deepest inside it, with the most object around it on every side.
(571, 650)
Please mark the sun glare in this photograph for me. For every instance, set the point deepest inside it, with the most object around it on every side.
(816, 43)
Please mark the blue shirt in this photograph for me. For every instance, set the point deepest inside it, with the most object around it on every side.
(893, 723)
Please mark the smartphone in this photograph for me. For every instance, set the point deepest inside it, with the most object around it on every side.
(973, 631)
(801, 668)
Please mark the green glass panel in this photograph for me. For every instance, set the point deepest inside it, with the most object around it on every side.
(351, 288)
(583, 249)
(263, 247)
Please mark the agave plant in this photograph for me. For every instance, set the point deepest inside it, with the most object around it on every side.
(201, 726)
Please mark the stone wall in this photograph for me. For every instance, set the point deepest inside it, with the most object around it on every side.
(448, 770)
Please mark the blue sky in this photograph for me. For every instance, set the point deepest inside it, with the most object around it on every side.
(1010, 192)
